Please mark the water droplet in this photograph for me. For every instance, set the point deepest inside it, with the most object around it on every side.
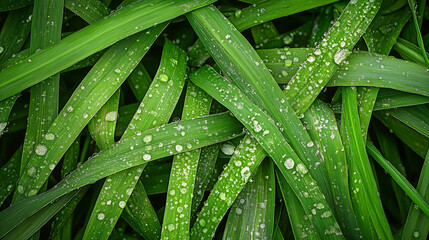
(202, 222)
(31, 172)
(147, 138)
(20, 189)
(41, 149)
(172, 192)
(170, 227)
(100, 216)
(287, 39)
(49, 136)
(416, 234)
(245, 173)
(163, 77)
(341, 55)
(117, 70)
(289, 163)
(238, 13)
(70, 109)
(256, 126)
(179, 148)
(179, 209)
(320, 206)
(310, 144)
(311, 58)
(317, 51)
(301, 168)
(288, 63)
(122, 204)
(228, 148)
(85, 115)
(1, 49)
(51, 166)
(111, 116)
(146, 157)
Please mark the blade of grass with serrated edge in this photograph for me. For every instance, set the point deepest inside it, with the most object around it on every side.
(44, 97)
(414, 117)
(155, 110)
(108, 74)
(331, 52)
(322, 126)
(9, 175)
(102, 125)
(417, 224)
(245, 160)
(240, 62)
(417, 142)
(360, 69)
(300, 224)
(255, 15)
(360, 160)
(252, 213)
(263, 128)
(177, 214)
(399, 178)
(201, 132)
(91, 39)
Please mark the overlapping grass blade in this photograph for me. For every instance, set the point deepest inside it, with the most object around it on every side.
(387, 99)
(360, 163)
(44, 97)
(399, 178)
(241, 64)
(322, 126)
(417, 224)
(177, 214)
(91, 39)
(252, 213)
(201, 132)
(8, 5)
(414, 117)
(139, 81)
(245, 161)
(9, 175)
(155, 110)
(334, 48)
(101, 82)
(263, 128)
(417, 25)
(409, 51)
(89, 10)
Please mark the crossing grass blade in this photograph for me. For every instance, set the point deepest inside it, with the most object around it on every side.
(8, 5)
(89, 10)
(139, 81)
(388, 99)
(241, 64)
(263, 128)
(91, 39)
(177, 214)
(323, 129)
(246, 159)
(409, 51)
(252, 213)
(155, 109)
(200, 132)
(360, 161)
(99, 84)
(360, 69)
(332, 51)
(414, 117)
(417, 224)
(417, 24)
(399, 178)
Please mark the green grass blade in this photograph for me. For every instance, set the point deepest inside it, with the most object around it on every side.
(334, 48)
(177, 214)
(245, 160)
(323, 129)
(361, 69)
(9, 175)
(263, 32)
(89, 10)
(96, 88)
(252, 214)
(321, 25)
(262, 127)
(269, 10)
(388, 99)
(7, 5)
(89, 40)
(242, 65)
(359, 158)
(399, 178)
(409, 51)
(413, 117)
(201, 132)
(44, 97)
(417, 24)
(155, 110)
(417, 224)
(139, 81)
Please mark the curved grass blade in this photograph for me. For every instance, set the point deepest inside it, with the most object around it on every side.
(387, 99)
(361, 69)
(155, 109)
(334, 48)
(360, 161)
(409, 51)
(240, 62)
(9, 175)
(245, 161)
(201, 132)
(252, 214)
(89, 10)
(263, 128)
(177, 214)
(139, 81)
(44, 97)
(323, 129)
(399, 178)
(414, 117)
(101, 82)
(321, 25)
(89, 40)
(417, 24)
(7, 5)
(417, 224)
